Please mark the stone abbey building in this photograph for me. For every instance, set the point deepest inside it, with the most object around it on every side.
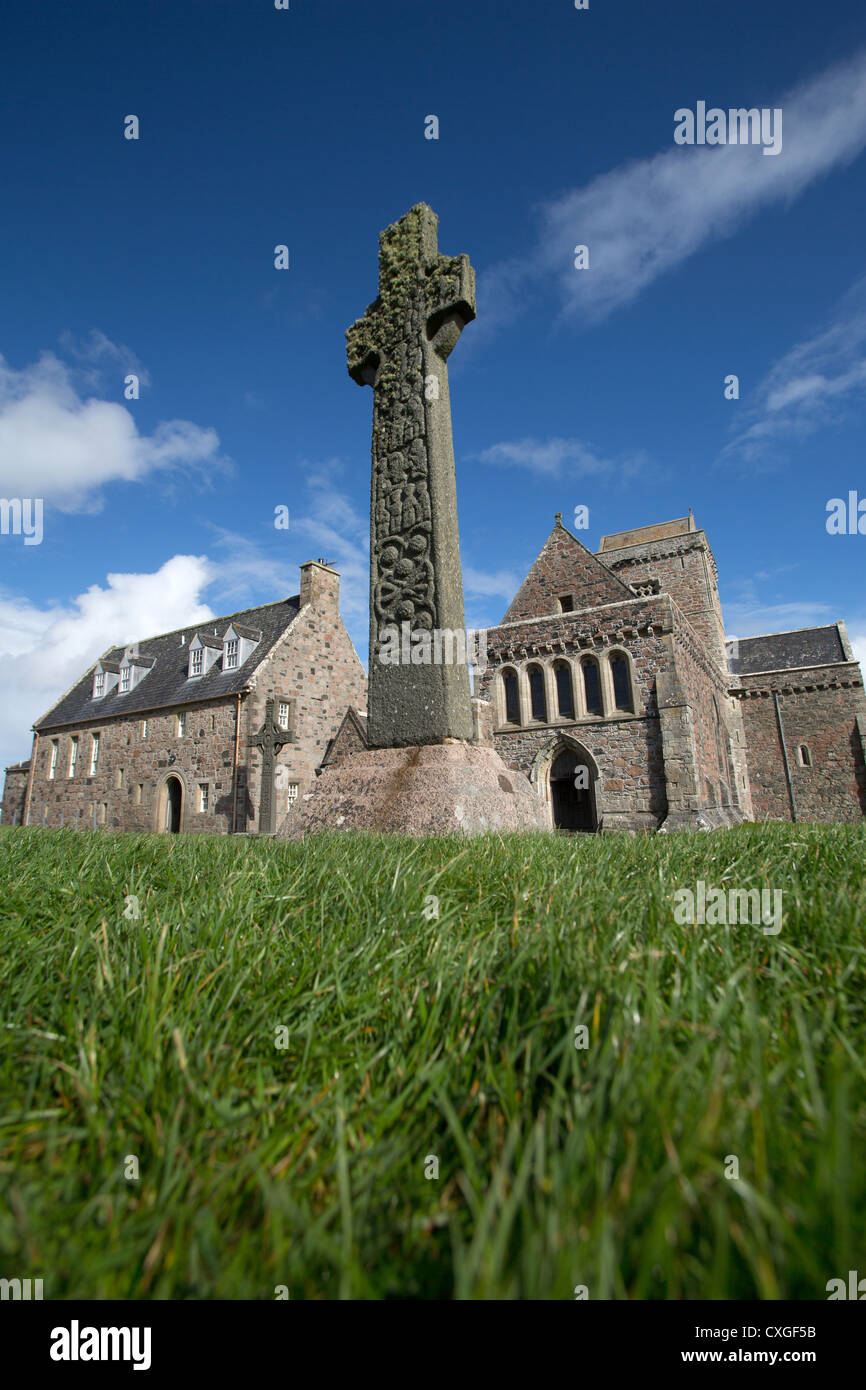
(614, 662)
(218, 727)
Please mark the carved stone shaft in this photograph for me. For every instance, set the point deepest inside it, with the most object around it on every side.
(400, 348)
(270, 739)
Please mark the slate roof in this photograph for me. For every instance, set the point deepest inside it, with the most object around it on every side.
(167, 682)
(784, 651)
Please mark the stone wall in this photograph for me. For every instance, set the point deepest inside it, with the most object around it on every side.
(564, 567)
(132, 769)
(706, 693)
(316, 667)
(625, 747)
(14, 794)
(685, 568)
(824, 708)
(313, 666)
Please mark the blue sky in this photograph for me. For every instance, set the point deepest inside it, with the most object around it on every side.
(602, 387)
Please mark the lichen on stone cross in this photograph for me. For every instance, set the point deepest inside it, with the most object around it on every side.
(400, 348)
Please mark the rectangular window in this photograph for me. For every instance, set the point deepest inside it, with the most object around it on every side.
(203, 796)
(181, 725)
(119, 778)
(55, 751)
(291, 795)
(195, 662)
(144, 728)
(94, 754)
(100, 683)
(231, 660)
(125, 678)
(73, 756)
(566, 604)
(138, 791)
(283, 717)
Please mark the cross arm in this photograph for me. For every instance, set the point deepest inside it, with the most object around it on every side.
(450, 295)
(362, 351)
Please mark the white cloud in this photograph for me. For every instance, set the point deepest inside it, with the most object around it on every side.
(250, 568)
(750, 618)
(337, 531)
(857, 635)
(553, 457)
(100, 361)
(59, 446)
(812, 386)
(646, 217)
(44, 650)
(487, 584)
(325, 523)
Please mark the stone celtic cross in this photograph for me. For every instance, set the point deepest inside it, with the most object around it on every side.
(270, 739)
(400, 348)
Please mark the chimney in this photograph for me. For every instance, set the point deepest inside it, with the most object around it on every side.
(320, 584)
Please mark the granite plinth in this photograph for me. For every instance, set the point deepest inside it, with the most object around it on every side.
(433, 789)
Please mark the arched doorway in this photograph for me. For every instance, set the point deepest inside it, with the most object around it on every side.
(173, 805)
(572, 800)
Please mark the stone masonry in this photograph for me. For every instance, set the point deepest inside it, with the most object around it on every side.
(305, 661)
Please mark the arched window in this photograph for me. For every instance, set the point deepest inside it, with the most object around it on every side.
(804, 755)
(512, 697)
(619, 671)
(591, 685)
(537, 697)
(564, 692)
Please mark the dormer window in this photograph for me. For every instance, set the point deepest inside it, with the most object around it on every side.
(204, 649)
(238, 643)
(133, 669)
(106, 675)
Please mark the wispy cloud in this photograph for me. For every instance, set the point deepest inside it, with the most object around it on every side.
(813, 385)
(648, 216)
(556, 458)
(99, 362)
(490, 584)
(753, 619)
(857, 634)
(251, 571)
(324, 523)
(752, 611)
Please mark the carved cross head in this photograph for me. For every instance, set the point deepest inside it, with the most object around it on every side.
(411, 270)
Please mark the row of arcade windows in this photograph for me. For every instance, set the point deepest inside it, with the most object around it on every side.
(566, 690)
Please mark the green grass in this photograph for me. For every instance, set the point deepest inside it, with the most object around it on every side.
(451, 1037)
